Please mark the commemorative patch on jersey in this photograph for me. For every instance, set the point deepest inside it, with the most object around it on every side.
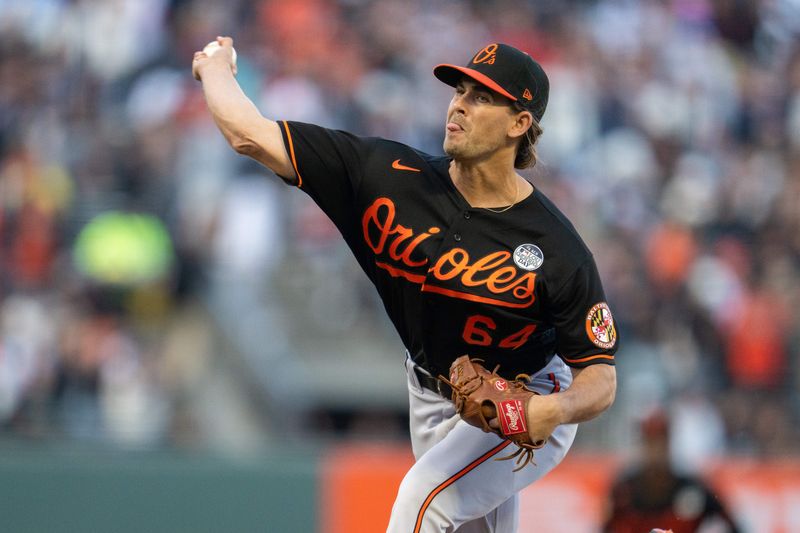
(600, 326)
(528, 256)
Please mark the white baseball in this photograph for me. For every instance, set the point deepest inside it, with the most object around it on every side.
(212, 48)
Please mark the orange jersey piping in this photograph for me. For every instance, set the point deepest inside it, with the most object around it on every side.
(590, 358)
(291, 154)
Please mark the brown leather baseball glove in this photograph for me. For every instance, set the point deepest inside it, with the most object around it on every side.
(480, 396)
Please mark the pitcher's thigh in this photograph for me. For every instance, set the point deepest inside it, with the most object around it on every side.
(458, 480)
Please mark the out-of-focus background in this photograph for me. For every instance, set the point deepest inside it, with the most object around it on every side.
(187, 344)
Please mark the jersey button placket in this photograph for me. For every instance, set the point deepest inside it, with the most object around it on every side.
(457, 237)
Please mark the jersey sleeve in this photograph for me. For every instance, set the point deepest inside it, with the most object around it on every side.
(585, 330)
(329, 165)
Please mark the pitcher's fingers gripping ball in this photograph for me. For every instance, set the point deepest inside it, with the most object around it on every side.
(214, 46)
(480, 396)
(221, 47)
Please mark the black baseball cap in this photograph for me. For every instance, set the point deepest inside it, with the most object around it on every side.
(506, 70)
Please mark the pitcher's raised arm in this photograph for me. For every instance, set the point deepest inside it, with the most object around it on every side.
(239, 120)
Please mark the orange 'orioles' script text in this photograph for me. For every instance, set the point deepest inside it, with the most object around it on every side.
(398, 243)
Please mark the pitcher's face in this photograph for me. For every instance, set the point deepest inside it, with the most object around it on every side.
(478, 121)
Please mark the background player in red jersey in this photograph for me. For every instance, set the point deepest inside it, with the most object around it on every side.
(468, 258)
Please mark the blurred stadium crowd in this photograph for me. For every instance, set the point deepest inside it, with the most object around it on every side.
(135, 246)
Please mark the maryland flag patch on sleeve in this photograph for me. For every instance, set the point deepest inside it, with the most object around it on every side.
(600, 326)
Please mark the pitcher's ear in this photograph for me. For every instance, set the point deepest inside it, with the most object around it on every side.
(522, 123)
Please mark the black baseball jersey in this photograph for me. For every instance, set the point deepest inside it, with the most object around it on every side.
(512, 288)
(643, 498)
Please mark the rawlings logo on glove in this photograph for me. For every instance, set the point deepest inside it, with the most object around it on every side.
(511, 417)
(480, 396)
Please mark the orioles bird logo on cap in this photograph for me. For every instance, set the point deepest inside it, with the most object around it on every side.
(487, 55)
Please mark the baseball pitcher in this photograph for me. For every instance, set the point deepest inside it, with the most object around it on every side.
(509, 340)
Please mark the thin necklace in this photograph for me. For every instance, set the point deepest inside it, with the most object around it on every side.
(506, 208)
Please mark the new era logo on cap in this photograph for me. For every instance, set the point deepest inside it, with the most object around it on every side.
(505, 70)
